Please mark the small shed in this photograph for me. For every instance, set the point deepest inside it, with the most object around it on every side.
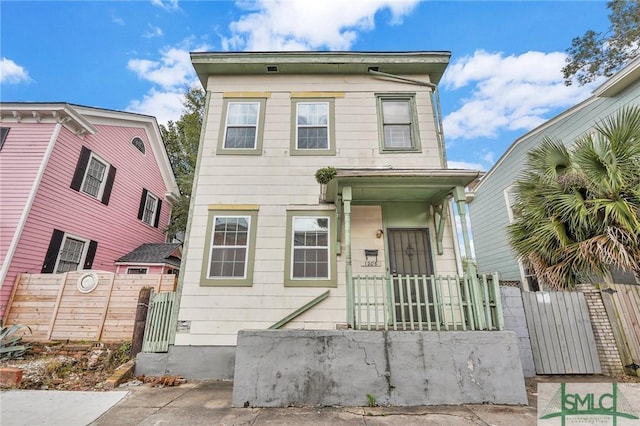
(161, 258)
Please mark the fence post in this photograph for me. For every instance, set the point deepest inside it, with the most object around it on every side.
(141, 319)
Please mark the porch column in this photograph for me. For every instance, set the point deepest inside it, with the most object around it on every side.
(470, 269)
(346, 199)
(460, 198)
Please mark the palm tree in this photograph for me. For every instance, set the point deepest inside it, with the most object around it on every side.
(578, 209)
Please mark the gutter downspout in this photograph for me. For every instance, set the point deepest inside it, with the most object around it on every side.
(435, 104)
(346, 198)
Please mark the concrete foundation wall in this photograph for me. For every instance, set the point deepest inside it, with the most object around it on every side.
(515, 320)
(190, 362)
(276, 368)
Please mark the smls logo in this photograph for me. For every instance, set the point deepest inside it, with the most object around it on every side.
(590, 407)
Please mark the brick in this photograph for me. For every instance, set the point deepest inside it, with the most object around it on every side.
(10, 377)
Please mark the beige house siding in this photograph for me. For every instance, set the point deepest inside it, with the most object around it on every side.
(276, 182)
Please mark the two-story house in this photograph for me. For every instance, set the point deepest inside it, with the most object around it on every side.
(270, 248)
(80, 187)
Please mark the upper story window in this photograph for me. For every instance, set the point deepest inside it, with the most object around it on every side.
(242, 126)
(93, 176)
(149, 208)
(4, 132)
(230, 248)
(312, 127)
(139, 144)
(398, 123)
(68, 253)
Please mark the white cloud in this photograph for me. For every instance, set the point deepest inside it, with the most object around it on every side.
(465, 165)
(164, 106)
(153, 32)
(171, 75)
(168, 5)
(171, 70)
(507, 92)
(305, 25)
(12, 73)
(117, 20)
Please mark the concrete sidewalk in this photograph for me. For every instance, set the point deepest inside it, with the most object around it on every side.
(41, 407)
(209, 403)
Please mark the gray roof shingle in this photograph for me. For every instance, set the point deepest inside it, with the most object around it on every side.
(154, 253)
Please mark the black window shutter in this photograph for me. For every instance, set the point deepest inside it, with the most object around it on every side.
(108, 185)
(143, 199)
(52, 252)
(157, 219)
(81, 167)
(91, 254)
(4, 132)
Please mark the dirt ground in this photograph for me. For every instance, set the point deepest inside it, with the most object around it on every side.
(71, 367)
(50, 367)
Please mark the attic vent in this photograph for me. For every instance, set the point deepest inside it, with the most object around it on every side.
(272, 68)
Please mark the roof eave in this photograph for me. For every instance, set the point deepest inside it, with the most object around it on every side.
(255, 63)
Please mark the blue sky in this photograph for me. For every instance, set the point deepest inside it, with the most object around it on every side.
(503, 80)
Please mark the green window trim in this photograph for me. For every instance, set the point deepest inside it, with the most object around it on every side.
(247, 281)
(331, 132)
(257, 150)
(332, 280)
(413, 115)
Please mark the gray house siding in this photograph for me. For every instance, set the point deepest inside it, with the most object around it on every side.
(488, 210)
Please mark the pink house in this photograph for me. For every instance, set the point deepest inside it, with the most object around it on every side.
(80, 187)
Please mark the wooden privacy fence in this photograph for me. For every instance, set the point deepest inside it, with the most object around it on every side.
(562, 338)
(59, 307)
(622, 303)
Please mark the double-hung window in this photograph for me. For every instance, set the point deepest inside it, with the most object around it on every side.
(312, 131)
(398, 123)
(242, 126)
(310, 261)
(71, 254)
(229, 248)
(68, 252)
(149, 208)
(93, 176)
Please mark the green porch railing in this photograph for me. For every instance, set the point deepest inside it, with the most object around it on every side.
(438, 303)
(157, 330)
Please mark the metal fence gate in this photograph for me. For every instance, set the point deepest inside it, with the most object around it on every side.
(561, 335)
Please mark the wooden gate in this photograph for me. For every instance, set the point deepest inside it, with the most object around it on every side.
(561, 335)
(622, 303)
(157, 331)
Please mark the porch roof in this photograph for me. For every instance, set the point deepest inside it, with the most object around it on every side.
(389, 185)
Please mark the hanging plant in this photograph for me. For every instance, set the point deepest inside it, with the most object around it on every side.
(325, 174)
